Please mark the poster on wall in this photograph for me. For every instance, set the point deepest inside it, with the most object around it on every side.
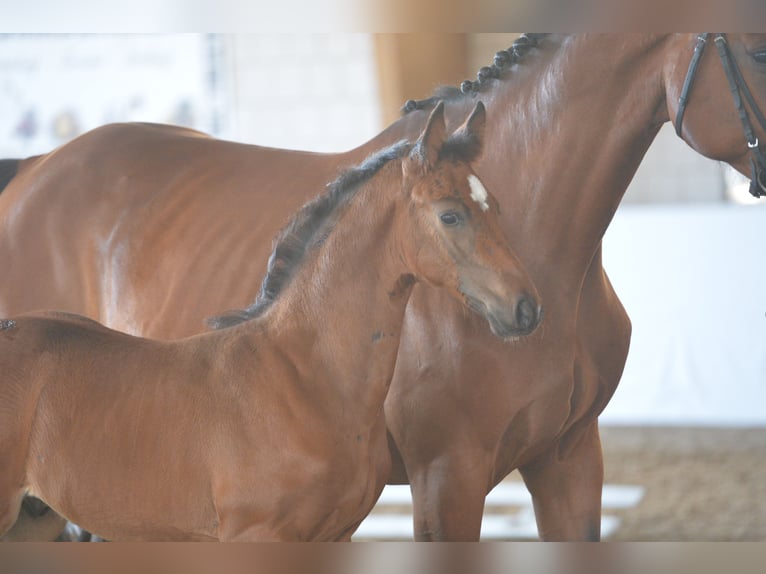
(54, 87)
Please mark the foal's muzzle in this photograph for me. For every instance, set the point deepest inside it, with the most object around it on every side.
(522, 319)
(528, 315)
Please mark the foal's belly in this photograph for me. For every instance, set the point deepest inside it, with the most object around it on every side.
(150, 502)
(316, 490)
(121, 476)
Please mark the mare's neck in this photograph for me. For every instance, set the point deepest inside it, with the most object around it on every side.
(340, 318)
(571, 126)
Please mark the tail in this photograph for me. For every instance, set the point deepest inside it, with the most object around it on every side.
(8, 170)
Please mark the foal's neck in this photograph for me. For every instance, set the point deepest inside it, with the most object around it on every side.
(341, 316)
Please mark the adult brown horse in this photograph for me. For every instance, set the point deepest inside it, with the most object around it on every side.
(151, 229)
(273, 428)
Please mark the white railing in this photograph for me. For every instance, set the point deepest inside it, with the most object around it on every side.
(508, 513)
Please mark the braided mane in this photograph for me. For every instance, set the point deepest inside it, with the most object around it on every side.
(504, 59)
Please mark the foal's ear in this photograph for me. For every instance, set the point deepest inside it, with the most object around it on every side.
(426, 149)
(468, 139)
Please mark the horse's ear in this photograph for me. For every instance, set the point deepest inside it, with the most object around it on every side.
(426, 149)
(469, 137)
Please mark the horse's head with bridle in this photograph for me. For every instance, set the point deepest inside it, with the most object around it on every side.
(744, 66)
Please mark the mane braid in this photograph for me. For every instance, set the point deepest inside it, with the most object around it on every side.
(309, 228)
(504, 59)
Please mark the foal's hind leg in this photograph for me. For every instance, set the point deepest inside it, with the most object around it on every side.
(9, 510)
(30, 527)
(12, 486)
(15, 421)
(11, 495)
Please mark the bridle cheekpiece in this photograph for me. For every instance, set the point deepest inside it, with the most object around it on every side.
(739, 89)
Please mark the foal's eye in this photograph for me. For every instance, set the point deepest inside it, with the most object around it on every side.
(760, 56)
(450, 218)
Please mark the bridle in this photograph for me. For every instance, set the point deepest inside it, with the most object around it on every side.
(738, 89)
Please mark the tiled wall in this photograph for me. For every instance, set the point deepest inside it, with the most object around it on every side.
(54, 87)
(316, 92)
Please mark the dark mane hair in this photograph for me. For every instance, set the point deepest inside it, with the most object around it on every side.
(460, 146)
(306, 230)
(504, 59)
(8, 169)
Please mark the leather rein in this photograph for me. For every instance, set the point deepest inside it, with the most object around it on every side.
(738, 88)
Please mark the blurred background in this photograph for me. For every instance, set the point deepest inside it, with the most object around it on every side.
(321, 92)
(682, 250)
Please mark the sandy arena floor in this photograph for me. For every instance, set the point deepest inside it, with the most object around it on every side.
(701, 483)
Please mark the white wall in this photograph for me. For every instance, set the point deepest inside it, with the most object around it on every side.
(317, 92)
(672, 172)
(53, 87)
(693, 281)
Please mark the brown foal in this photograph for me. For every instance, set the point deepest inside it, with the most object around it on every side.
(272, 427)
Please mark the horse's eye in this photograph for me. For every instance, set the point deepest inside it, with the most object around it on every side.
(450, 218)
(760, 56)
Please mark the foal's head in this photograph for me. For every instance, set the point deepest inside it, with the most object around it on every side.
(451, 236)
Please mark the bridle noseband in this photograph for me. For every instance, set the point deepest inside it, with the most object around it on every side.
(738, 89)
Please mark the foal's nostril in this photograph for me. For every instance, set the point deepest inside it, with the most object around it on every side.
(527, 314)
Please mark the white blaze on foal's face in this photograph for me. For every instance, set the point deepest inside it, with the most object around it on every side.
(478, 192)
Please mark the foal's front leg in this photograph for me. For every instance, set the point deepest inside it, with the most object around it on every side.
(566, 489)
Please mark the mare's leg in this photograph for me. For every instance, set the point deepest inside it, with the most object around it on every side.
(448, 499)
(566, 489)
(346, 536)
(433, 412)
